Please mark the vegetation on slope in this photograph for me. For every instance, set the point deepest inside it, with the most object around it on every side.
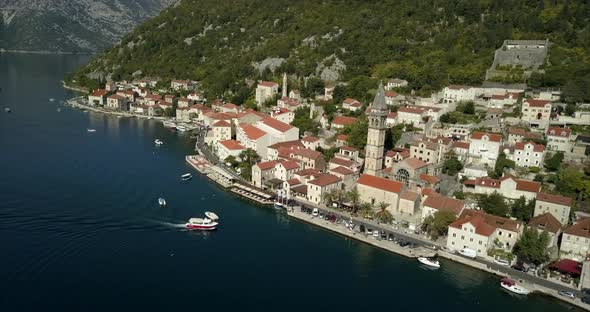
(430, 43)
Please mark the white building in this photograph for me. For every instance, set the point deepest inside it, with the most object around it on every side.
(396, 83)
(98, 97)
(351, 104)
(227, 148)
(265, 91)
(557, 205)
(282, 114)
(575, 243)
(558, 139)
(456, 93)
(374, 190)
(536, 110)
(278, 130)
(253, 138)
(485, 146)
(507, 186)
(322, 184)
(528, 154)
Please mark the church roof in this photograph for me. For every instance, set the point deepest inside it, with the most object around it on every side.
(379, 101)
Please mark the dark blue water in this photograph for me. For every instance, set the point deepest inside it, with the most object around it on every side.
(81, 230)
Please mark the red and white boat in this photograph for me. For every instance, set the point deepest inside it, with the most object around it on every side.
(208, 223)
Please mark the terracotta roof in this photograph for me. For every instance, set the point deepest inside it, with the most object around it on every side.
(307, 172)
(290, 101)
(352, 102)
(441, 202)
(484, 181)
(342, 170)
(427, 144)
(484, 223)
(462, 145)
(342, 162)
(251, 112)
(289, 164)
(277, 125)
(279, 111)
(116, 97)
(492, 136)
(427, 191)
(302, 189)
(268, 84)
(411, 110)
(99, 92)
(342, 137)
(230, 106)
(516, 131)
(288, 144)
(403, 152)
(536, 147)
(391, 94)
(499, 96)
(415, 163)
(557, 131)
(293, 181)
(306, 152)
(325, 179)
(555, 199)
(222, 123)
(267, 165)
(310, 139)
(392, 115)
(582, 228)
(409, 195)
(528, 186)
(381, 183)
(545, 221)
(537, 103)
(252, 132)
(343, 120)
(349, 148)
(232, 145)
(429, 179)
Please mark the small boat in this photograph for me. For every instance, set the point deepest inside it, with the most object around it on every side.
(51, 99)
(279, 205)
(59, 110)
(429, 262)
(211, 215)
(162, 201)
(158, 142)
(511, 286)
(7, 110)
(203, 224)
(186, 176)
(91, 130)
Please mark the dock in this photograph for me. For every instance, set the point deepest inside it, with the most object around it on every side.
(253, 193)
(199, 163)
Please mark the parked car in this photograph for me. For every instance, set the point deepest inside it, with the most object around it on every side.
(502, 262)
(586, 299)
(567, 294)
(369, 231)
(519, 267)
(376, 234)
(315, 212)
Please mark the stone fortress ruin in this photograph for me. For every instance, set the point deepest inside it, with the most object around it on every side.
(526, 55)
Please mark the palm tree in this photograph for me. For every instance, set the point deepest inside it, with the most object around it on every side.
(366, 210)
(331, 196)
(383, 215)
(354, 197)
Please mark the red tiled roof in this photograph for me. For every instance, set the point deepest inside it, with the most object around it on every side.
(537, 103)
(545, 221)
(429, 179)
(293, 181)
(288, 144)
(310, 139)
(499, 96)
(99, 92)
(252, 132)
(267, 165)
(403, 152)
(348, 148)
(392, 115)
(484, 223)
(341, 162)
(427, 191)
(222, 123)
(277, 125)
(582, 228)
(342, 170)
(516, 131)
(325, 179)
(492, 136)
(536, 147)
(462, 145)
(306, 153)
(415, 163)
(391, 94)
(381, 183)
(350, 101)
(223, 116)
(342, 137)
(307, 172)
(441, 202)
(289, 164)
(557, 131)
(555, 199)
(528, 186)
(116, 97)
(343, 120)
(232, 145)
(268, 84)
(409, 195)
(484, 181)
(230, 106)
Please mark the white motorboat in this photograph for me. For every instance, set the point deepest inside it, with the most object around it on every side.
(158, 142)
(211, 215)
(429, 262)
(91, 130)
(511, 286)
(280, 205)
(51, 99)
(186, 176)
(7, 109)
(203, 224)
(162, 201)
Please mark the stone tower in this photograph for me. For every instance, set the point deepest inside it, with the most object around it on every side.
(376, 136)
(284, 85)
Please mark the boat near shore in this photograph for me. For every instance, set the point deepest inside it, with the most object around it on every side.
(90, 130)
(511, 286)
(7, 110)
(162, 201)
(186, 176)
(158, 142)
(429, 262)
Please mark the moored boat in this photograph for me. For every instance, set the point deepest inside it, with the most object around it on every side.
(91, 130)
(203, 224)
(280, 205)
(158, 142)
(429, 262)
(7, 109)
(186, 176)
(162, 201)
(211, 215)
(511, 286)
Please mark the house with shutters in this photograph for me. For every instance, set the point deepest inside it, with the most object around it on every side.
(436, 202)
(557, 205)
(558, 139)
(394, 98)
(282, 147)
(253, 138)
(485, 147)
(528, 154)
(546, 222)
(98, 97)
(117, 102)
(265, 91)
(536, 110)
(458, 93)
(226, 148)
(282, 114)
(311, 142)
(351, 104)
(395, 155)
(575, 242)
(507, 186)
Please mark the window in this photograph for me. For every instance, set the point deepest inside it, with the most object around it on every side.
(471, 239)
(462, 237)
(480, 242)
(509, 235)
(500, 233)
(454, 234)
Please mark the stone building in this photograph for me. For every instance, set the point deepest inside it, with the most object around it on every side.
(376, 135)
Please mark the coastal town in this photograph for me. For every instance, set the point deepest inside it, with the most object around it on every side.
(485, 175)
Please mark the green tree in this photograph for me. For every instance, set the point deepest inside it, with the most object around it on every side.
(554, 162)
(382, 214)
(532, 247)
(357, 134)
(303, 122)
(354, 197)
(459, 195)
(249, 157)
(232, 160)
(366, 210)
(437, 225)
(451, 166)
(523, 209)
(493, 204)
(502, 163)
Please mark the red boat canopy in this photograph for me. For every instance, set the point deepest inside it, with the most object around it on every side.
(508, 281)
(567, 266)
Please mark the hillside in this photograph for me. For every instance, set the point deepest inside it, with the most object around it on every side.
(71, 25)
(428, 42)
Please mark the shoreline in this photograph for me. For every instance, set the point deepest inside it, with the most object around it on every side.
(384, 245)
(78, 89)
(16, 51)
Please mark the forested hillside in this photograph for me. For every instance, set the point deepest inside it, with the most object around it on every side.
(428, 42)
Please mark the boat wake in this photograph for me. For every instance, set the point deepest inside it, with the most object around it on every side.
(169, 224)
